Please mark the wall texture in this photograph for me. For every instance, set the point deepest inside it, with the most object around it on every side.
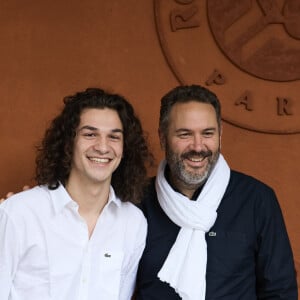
(248, 54)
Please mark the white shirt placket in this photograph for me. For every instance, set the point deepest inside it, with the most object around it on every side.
(86, 263)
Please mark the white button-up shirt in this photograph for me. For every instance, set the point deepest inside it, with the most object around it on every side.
(46, 253)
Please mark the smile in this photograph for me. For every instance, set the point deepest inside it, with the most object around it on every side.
(199, 159)
(99, 160)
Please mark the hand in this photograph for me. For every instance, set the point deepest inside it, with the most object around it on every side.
(25, 187)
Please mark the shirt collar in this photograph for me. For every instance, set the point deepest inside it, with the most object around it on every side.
(61, 198)
(112, 198)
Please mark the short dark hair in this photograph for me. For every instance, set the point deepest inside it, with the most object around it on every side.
(183, 94)
(54, 157)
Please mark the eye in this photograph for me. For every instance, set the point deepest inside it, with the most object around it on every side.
(115, 137)
(208, 133)
(184, 135)
(89, 135)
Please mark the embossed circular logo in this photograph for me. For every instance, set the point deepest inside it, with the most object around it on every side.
(248, 52)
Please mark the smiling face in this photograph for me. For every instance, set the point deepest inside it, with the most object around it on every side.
(192, 144)
(98, 147)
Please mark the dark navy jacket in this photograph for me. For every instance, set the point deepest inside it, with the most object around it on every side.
(249, 253)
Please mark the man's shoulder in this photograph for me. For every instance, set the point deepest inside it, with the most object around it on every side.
(242, 179)
(248, 189)
(26, 201)
(132, 210)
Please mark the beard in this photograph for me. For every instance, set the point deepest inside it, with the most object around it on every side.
(191, 178)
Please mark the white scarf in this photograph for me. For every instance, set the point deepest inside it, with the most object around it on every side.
(185, 266)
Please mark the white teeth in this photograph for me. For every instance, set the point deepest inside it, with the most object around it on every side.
(99, 160)
(196, 159)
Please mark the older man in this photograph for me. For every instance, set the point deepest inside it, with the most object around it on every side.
(213, 233)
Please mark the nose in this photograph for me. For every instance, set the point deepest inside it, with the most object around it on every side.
(101, 145)
(197, 142)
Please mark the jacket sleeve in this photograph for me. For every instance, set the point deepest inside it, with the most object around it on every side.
(275, 269)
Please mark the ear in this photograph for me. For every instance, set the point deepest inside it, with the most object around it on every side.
(162, 139)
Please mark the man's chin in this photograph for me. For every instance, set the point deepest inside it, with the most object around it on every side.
(194, 178)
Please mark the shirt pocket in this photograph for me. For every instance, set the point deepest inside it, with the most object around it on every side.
(110, 271)
(228, 252)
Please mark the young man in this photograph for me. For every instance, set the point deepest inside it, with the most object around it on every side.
(76, 235)
(213, 233)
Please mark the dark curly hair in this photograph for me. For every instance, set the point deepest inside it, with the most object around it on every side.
(54, 155)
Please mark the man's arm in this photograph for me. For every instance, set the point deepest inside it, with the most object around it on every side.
(275, 269)
(25, 187)
(9, 254)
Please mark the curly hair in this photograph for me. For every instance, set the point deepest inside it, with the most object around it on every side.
(183, 94)
(55, 154)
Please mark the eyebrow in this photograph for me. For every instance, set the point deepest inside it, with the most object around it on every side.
(211, 128)
(189, 130)
(92, 128)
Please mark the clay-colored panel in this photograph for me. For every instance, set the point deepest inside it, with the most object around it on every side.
(141, 49)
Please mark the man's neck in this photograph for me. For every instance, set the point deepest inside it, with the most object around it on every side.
(91, 199)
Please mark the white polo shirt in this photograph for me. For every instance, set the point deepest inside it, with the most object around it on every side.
(46, 253)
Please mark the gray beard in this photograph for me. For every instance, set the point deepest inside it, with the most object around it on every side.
(190, 179)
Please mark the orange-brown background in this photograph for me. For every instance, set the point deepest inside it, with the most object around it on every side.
(50, 49)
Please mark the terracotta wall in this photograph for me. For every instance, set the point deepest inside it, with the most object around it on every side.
(249, 55)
